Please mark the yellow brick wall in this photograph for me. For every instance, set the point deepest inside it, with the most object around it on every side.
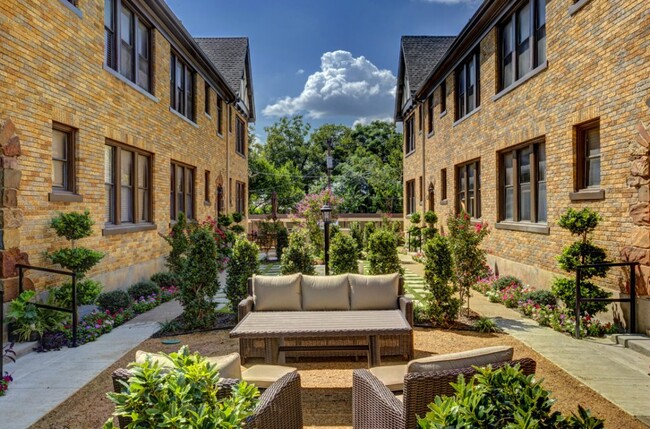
(52, 69)
(598, 67)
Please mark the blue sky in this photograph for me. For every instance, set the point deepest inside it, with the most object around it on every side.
(332, 61)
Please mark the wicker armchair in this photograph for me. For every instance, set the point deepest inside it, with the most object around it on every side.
(279, 407)
(374, 406)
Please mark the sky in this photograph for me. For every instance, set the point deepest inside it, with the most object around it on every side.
(333, 61)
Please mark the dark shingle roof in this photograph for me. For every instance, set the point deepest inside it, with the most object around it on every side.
(228, 54)
(421, 54)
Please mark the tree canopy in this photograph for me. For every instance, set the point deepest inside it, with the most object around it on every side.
(367, 173)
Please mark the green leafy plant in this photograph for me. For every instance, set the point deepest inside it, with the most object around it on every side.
(540, 297)
(357, 234)
(179, 241)
(415, 218)
(504, 282)
(87, 292)
(382, 253)
(344, 255)
(368, 229)
(78, 260)
(581, 223)
(73, 226)
(165, 279)
(502, 398)
(430, 230)
(441, 304)
(237, 217)
(297, 257)
(183, 396)
(144, 288)
(243, 264)
(486, 325)
(27, 319)
(470, 262)
(114, 301)
(282, 241)
(238, 229)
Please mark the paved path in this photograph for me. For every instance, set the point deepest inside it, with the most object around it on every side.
(616, 373)
(42, 381)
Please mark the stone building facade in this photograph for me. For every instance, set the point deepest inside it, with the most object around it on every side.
(537, 106)
(111, 106)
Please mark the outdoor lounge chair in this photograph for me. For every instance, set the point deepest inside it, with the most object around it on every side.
(375, 406)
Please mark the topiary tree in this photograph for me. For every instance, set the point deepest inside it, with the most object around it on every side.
(179, 241)
(415, 218)
(357, 234)
(470, 263)
(200, 280)
(581, 223)
(368, 229)
(441, 304)
(344, 255)
(382, 253)
(298, 257)
(243, 264)
(281, 240)
(430, 230)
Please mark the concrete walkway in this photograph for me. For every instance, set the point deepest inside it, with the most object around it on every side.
(42, 381)
(616, 373)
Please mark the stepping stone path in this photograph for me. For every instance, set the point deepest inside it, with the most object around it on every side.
(413, 283)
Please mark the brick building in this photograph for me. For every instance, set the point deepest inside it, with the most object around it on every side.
(111, 106)
(536, 106)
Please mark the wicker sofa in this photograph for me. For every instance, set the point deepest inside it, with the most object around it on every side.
(279, 407)
(347, 292)
(375, 406)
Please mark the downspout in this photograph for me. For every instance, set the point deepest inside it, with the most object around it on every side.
(228, 178)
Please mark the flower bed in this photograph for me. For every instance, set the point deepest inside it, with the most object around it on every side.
(4, 383)
(534, 304)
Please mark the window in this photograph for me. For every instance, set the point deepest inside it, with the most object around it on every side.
(522, 41)
(409, 136)
(468, 188)
(588, 156)
(206, 186)
(443, 97)
(182, 88)
(241, 137)
(127, 180)
(421, 189)
(467, 86)
(443, 184)
(181, 198)
(207, 98)
(220, 203)
(523, 183)
(430, 114)
(63, 158)
(432, 199)
(420, 118)
(410, 197)
(240, 198)
(219, 115)
(72, 2)
(127, 43)
(230, 192)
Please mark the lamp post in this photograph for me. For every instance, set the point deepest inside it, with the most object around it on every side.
(326, 213)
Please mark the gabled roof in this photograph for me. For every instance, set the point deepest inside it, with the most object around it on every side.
(418, 56)
(231, 56)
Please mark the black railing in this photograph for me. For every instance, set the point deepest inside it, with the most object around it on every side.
(417, 232)
(631, 299)
(73, 310)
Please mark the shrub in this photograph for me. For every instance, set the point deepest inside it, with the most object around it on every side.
(344, 255)
(502, 398)
(357, 234)
(243, 264)
(237, 217)
(87, 292)
(238, 229)
(506, 281)
(77, 259)
(334, 230)
(165, 279)
(441, 306)
(540, 297)
(282, 241)
(368, 229)
(486, 325)
(160, 397)
(297, 257)
(581, 223)
(415, 218)
(74, 226)
(430, 217)
(143, 289)
(114, 301)
(200, 279)
(382, 253)
(225, 221)
(179, 242)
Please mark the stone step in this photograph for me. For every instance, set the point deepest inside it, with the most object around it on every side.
(638, 343)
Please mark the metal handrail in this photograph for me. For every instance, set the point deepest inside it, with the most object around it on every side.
(631, 299)
(419, 248)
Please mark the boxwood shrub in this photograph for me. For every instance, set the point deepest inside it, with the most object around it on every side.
(143, 288)
(114, 301)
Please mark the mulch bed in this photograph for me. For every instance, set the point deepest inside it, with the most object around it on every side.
(224, 321)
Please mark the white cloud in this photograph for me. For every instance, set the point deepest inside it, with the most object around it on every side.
(300, 71)
(344, 86)
(366, 121)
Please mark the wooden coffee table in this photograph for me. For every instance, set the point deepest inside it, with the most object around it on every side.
(274, 326)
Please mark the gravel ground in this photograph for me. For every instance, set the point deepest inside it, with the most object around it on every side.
(327, 398)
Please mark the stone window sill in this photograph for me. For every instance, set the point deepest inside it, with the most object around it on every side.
(575, 7)
(409, 154)
(535, 228)
(467, 116)
(587, 195)
(531, 74)
(65, 197)
(126, 229)
(183, 117)
(131, 84)
(443, 203)
(73, 8)
(443, 114)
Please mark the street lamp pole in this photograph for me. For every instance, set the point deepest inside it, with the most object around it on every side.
(326, 212)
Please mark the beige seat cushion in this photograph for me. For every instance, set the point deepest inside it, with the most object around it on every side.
(277, 293)
(392, 376)
(477, 357)
(373, 292)
(325, 293)
(264, 376)
(156, 358)
(229, 366)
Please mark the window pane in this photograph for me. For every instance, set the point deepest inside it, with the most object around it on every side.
(143, 56)
(143, 204)
(126, 176)
(593, 142)
(541, 162)
(108, 13)
(593, 169)
(524, 201)
(509, 201)
(507, 48)
(507, 166)
(179, 190)
(108, 179)
(126, 34)
(108, 164)
(471, 85)
(541, 202)
(524, 183)
(126, 182)
(58, 174)
(126, 200)
(523, 41)
(524, 165)
(59, 144)
(143, 171)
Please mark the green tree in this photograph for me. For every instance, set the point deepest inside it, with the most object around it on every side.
(441, 304)
(243, 264)
(382, 253)
(344, 254)
(298, 256)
